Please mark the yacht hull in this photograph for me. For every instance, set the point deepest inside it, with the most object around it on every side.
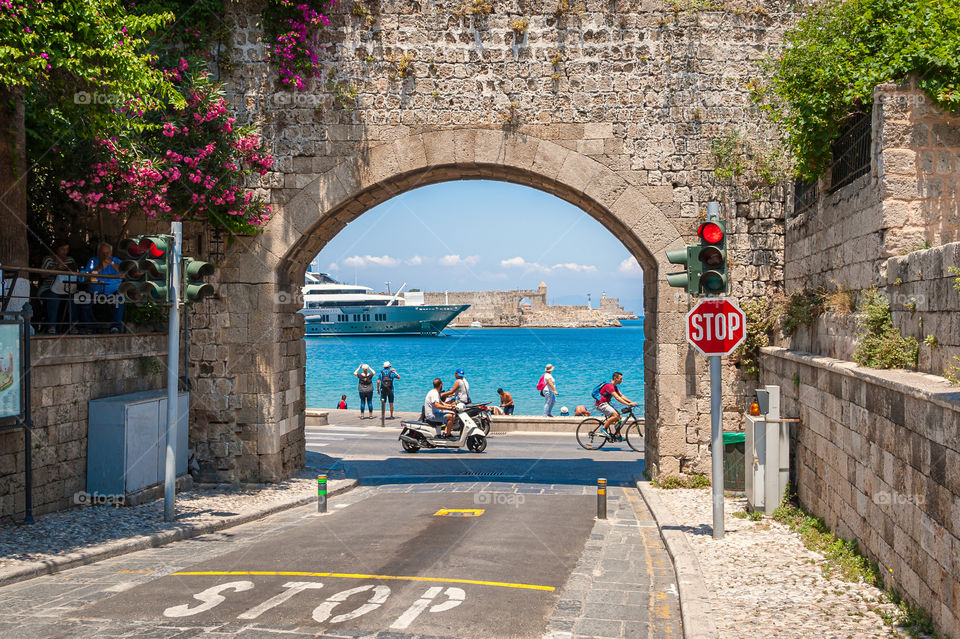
(380, 320)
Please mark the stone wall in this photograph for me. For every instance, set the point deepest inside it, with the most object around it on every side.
(909, 199)
(508, 309)
(877, 455)
(67, 372)
(925, 300)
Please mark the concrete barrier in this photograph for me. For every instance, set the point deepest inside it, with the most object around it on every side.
(536, 423)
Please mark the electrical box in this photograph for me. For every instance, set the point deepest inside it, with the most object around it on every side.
(766, 456)
(127, 441)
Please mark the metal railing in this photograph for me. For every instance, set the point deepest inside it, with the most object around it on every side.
(75, 303)
(851, 151)
(805, 195)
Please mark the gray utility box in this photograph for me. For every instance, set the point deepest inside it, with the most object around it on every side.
(127, 441)
(766, 456)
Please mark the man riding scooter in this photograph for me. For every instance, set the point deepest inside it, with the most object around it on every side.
(438, 412)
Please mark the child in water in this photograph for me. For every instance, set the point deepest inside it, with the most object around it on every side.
(343, 402)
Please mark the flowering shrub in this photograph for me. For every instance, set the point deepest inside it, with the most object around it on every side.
(293, 45)
(191, 166)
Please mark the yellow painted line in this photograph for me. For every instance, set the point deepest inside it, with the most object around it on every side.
(134, 572)
(232, 573)
(459, 512)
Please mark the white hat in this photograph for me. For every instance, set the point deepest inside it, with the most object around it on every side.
(386, 364)
(564, 410)
(365, 367)
(548, 367)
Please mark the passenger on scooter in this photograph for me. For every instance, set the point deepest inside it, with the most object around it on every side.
(460, 390)
(437, 412)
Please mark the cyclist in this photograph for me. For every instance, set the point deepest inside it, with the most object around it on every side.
(607, 391)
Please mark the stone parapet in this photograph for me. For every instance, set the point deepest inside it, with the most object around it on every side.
(877, 456)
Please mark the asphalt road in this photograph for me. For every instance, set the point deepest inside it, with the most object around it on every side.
(389, 561)
(373, 455)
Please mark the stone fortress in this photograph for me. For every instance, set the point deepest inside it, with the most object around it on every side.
(528, 308)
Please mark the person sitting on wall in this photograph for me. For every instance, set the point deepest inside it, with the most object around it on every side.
(506, 401)
(101, 296)
(581, 411)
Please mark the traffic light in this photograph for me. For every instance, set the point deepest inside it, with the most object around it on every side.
(690, 278)
(194, 288)
(146, 269)
(712, 255)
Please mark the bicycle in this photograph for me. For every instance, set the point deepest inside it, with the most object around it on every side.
(591, 436)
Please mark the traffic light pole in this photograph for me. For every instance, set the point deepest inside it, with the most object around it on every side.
(173, 373)
(716, 446)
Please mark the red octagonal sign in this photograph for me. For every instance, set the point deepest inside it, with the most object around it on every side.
(716, 326)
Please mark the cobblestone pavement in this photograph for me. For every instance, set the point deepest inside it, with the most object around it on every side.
(622, 585)
(764, 582)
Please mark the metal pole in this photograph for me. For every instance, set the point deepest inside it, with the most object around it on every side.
(383, 410)
(601, 498)
(173, 372)
(186, 349)
(716, 436)
(27, 416)
(321, 493)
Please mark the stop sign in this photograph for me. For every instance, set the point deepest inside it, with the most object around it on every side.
(716, 326)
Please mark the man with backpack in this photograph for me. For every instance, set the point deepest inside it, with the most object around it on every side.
(602, 395)
(385, 385)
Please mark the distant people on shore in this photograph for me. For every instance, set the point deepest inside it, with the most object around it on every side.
(385, 385)
(564, 411)
(460, 391)
(506, 401)
(365, 387)
(343, 403)
(581, 411)
(548, 388)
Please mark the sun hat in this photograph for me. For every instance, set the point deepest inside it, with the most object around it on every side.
(365, 367)
(386, 364)
(548, 367)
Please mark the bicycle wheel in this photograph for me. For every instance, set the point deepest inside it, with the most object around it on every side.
(589, 435)
(635, 436)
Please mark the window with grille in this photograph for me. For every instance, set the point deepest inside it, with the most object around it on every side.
(851, 151)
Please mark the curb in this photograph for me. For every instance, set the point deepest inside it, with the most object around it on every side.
(115, 548)
(696, 612)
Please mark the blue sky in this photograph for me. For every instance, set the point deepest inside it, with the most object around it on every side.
(484, 235)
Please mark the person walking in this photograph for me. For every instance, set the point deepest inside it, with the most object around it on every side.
(385, 385)
(365, 374)
(550, 393)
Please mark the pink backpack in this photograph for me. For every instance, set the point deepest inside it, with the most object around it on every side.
(542, 383)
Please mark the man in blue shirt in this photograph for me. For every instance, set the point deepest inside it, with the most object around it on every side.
(385, 385)
(102, 292)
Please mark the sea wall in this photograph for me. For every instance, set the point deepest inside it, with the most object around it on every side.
(877, 456)
(67, 372)
(529, 308)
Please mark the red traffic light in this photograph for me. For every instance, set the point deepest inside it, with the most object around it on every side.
(710, 233)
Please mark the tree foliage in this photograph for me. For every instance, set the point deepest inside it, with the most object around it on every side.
(841, 49)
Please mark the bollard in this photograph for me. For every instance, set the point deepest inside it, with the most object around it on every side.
(383, 411)
(601, 498)
(321, 493)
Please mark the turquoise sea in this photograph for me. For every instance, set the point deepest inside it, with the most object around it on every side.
(509, 358)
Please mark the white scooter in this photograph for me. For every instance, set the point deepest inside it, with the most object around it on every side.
(416, 435)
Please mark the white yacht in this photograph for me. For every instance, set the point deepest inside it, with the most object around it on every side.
(333, 308)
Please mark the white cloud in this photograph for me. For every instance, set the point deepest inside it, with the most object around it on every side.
(630, 266)
(333, 267)
(577, 268)
(359, 261)
(416, 260)
(455, 260)
(519, 262)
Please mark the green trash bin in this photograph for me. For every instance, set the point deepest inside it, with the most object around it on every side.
(733, 455)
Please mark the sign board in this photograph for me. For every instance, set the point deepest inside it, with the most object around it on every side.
(11, 370)
(716, 326)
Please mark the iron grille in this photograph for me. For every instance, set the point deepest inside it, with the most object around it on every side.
(805, 195)
(851, 152)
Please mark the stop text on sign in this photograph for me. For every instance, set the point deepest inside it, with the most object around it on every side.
(714, 326)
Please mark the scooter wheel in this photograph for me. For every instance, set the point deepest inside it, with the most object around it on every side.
(476, 443)
(410, 448)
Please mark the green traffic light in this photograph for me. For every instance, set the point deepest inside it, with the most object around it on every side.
(194, 289)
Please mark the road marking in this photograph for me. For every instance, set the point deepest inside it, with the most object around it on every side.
(134, 572)
(459, 512)
(336, 436)
(270, 573)
(455, 597)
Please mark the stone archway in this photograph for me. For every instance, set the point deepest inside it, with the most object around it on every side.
(256, 427)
